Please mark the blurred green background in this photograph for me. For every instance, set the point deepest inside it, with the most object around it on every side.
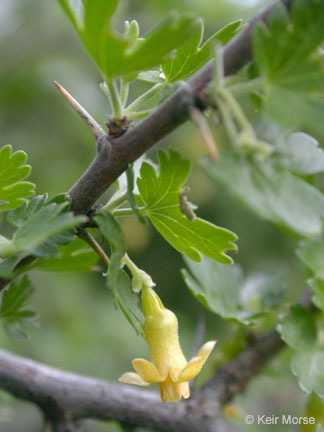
(78, 322)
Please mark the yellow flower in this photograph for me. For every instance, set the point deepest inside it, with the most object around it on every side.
(168, 367)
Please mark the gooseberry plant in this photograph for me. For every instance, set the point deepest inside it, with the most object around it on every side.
(270, 164)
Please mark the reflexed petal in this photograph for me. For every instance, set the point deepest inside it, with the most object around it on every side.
(185, 390)
(191, 370)
(206, 349)
(194, 366)
(132, 378)
(146, 370)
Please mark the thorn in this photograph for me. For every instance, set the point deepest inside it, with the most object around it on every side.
(204, 131)
(95, 128)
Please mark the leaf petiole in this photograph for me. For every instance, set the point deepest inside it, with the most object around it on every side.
(247, 86)
(145, 97)
(113, 204)
(124, 212)
(110, 90)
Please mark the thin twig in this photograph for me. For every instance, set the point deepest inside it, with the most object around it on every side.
(95, 128)
(84, 235)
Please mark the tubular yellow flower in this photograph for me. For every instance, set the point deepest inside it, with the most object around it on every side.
(168, 366)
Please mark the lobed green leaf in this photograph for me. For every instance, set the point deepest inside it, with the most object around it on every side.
(13, 191)
(117, 55)
(271, 192)
(298, 329)
(72, 257)
(284, 54)
(225, 291)
(160, 192)
(191, 56)
(41, 226)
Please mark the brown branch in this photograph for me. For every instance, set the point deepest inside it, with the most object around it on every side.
(66, 398)
(234, 376)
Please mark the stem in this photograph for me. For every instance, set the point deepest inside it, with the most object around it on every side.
(140, 279)
(237, 111)
(84, 235)
(110, 90)
(124, 90)
(123, 212)
(218, 81)
(111, 205)
(247, 87)
(145, 97)
(228, 121)
(139, 114)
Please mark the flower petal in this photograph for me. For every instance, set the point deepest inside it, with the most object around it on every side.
(132, 378)
(194, 366)
(146, 370)
(185, 390)
(170, 391)
(206, 349)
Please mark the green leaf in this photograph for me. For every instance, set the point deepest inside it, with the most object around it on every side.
(117, 279)
(73, 257)
(159, 192)
(13, 170)
(298, 329)
(311, 253)
(272, 193)
(296, 152)
(286, 43)
(13, 312)
(7, 265)
(191, 56)
(317, 287)
(299, 111)
(225, 291)
(127, 300)
(50, 222)
(122, 55)
(284, 56)
(300, 153)
(22, 213)
(308, 366)
(153, 77)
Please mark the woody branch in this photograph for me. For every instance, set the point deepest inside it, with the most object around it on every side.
(66, 398)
